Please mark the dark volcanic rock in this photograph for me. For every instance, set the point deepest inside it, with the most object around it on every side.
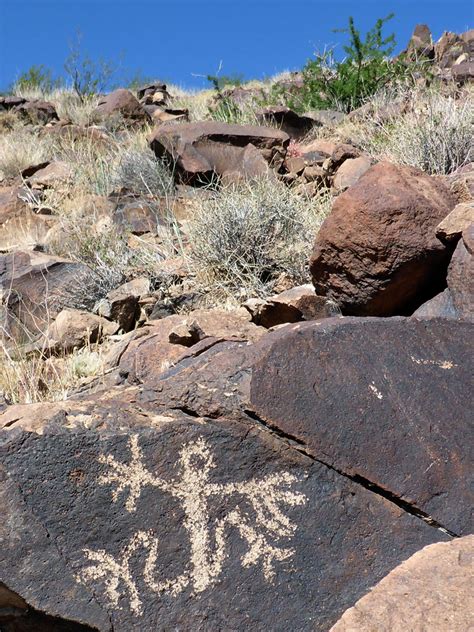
(35, 287)
(295, 125)
(382, 400)
(208, 149)
(377, 253)
(432, 590)
(152, 522)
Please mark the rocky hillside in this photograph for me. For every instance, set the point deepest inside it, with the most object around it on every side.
(236, 353)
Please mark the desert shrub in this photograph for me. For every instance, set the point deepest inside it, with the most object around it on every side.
(87, 76)
(347, 84)
(20, 148)
(222, 81)
(244, 238)
(139, 171)
(435, 134)
(36, 81)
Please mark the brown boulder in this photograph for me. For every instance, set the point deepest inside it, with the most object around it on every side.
(350, 171)
(203, 150)
(123, 104)
(453, 225)
(463, 72)
(382, 401)
(52, 175)
(285, 119)
(37, 112)
(35, 287)
(291, 306)
(432, 590)
(72, 329)
(20, 226)
(377, 253)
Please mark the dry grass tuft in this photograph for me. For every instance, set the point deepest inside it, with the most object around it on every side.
(20, 148)
(244, 238)
(26, 379)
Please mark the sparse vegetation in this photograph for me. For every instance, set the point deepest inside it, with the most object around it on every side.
(20, 147)
(30, 378)
(244, 238)
(435, 135)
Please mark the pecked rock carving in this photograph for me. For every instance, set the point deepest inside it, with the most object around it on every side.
(208, 550)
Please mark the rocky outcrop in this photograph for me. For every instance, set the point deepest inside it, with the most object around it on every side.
(377, 253)
(123, 104)
(202, 151)
(403, 387)
(35, 287)
(429, 591)
(20, 226)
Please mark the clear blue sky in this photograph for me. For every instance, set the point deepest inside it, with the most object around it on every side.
(176, 39)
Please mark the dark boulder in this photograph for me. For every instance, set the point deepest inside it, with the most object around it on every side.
(377, 254)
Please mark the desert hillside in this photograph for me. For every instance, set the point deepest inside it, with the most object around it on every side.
(236, 333)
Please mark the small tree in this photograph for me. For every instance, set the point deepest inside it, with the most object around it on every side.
(88, 76)
(346, 84)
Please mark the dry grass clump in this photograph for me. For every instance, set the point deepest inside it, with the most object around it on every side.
(244, 238)
(139, 171)
(20, 148)
(434, 134)
(26, 379)
(70, 107)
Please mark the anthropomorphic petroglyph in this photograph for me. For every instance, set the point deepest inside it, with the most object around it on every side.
(261, 529)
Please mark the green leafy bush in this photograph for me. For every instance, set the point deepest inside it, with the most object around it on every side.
(36, 78)
(346, 85)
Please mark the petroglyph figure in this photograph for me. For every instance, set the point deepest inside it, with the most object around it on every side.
(261, 529)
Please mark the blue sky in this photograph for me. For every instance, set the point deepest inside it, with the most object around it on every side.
(178, 39)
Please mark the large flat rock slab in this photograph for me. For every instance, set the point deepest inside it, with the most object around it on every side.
(153, 522)
(430, 591)
(385, 401)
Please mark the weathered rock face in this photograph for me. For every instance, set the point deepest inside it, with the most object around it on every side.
(121, 103)
(150, 522)
(293, 124)
(430, 591)
(377, 253)
(403, 388)
(36, 287)
(457, 300)
(20, 226)
(204, 150)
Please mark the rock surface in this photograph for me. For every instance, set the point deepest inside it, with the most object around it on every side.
(405, 386)
(151, 521)
(124, 104)
(377, 253)
(35, 287)
(208, 149)
(430, 591)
